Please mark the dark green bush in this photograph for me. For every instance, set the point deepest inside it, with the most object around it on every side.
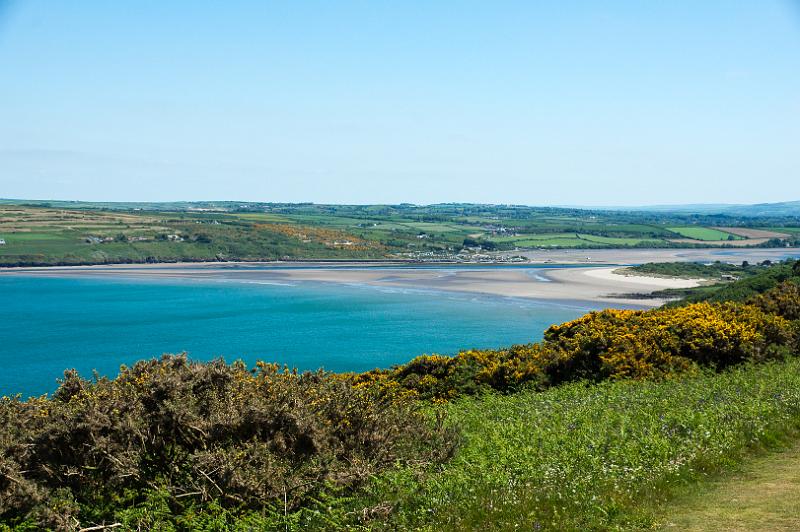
(200, 433)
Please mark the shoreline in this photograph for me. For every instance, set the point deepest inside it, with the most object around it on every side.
(547, 257)
(587, 283)
(550, 275)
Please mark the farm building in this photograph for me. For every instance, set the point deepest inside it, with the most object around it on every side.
(2, 242)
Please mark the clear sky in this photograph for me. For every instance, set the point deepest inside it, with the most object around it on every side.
(530, 102)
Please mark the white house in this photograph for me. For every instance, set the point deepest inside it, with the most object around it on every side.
(2, 242)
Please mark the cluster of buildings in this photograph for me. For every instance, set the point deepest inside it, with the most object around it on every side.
(499, 230)
(91, 239)
(464, 256)
(97, 239)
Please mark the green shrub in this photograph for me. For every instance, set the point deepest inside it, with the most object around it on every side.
(196, 433)
(783, 300)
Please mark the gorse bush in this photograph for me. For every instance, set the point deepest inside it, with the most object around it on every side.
(200, 432)
(661, 343)
(783, 300)
(613, 344)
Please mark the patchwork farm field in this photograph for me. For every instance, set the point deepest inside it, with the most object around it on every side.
(705, 234)
(48, 233)
(755, 233)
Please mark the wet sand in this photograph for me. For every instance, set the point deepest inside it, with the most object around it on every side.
(559, 282)
(563, 284)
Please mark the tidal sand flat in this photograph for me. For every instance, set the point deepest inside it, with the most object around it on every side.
(600, 286)
(594, 285)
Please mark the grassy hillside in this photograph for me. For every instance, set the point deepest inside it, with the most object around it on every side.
(48, 233)
(597, 457)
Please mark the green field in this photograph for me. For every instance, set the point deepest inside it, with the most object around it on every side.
(619, 241)
(574, 240)
(791, 230)
(703, 233)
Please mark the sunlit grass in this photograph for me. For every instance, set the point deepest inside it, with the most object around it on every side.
(704, 233)
(589, 457)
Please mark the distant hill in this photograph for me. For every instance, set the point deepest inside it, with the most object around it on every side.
(785, 208)
(764, 210)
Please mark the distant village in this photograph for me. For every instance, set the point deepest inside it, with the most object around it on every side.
(466, 255)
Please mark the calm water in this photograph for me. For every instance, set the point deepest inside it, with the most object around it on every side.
(49, 324)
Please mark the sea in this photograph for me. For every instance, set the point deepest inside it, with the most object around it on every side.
(50, 324)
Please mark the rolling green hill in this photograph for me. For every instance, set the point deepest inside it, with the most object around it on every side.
(55, 232)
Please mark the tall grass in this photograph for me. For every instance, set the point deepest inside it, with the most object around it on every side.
(596, 457)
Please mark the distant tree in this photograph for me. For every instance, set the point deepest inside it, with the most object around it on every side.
(796, 268)
(121, 238)
(745, 264)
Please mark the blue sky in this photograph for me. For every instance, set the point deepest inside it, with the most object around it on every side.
(542, 103)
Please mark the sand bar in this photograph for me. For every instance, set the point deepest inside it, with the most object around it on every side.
(595, 284)
(543, 279)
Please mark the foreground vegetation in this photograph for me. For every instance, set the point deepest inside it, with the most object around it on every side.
(174, 436)
(63, 233)
(581, 457)
(593, 428)
(575, 457)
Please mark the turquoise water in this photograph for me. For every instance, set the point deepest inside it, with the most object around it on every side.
(50, 324)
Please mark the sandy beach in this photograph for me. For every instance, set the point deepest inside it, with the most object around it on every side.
(595, 284)
(552, 275)
(569, 284)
